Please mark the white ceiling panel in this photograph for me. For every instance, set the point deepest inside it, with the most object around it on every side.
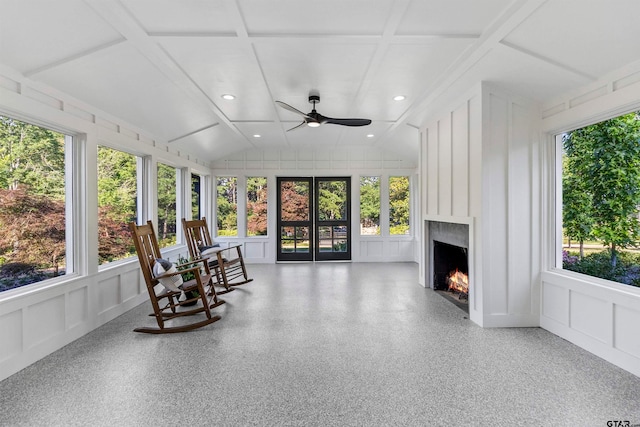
(122, 81)
(327, 17)
(212, 143)
(450, 16)
(336, 70)
(409, 70)
(220, 67)
(184, 16)
(40, 33)
(594, 37)
(271, 135)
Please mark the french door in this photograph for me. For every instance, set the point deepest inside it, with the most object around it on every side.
(314, 219)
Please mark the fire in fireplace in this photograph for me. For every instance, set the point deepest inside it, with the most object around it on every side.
(451, 268)
(459, 282)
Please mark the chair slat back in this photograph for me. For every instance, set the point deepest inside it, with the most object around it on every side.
(147, 248)
(197, 234)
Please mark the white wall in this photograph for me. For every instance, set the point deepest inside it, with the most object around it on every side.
(480, 166)
(600, 316)
(352, 162)
(41, 318)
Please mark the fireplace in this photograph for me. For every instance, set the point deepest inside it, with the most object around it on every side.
(450, 268)
(447, 256)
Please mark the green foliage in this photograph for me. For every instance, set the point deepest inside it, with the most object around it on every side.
(167, 199)
(227, 203)
(370, 201)
(598, 264)
(332, 200)
(399, 204)
(603, 182)
(256, 206)
(33, 157)
(117, 195)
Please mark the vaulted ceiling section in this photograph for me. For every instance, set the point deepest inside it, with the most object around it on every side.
(163, 65)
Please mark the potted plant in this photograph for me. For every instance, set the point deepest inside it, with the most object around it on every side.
(185, 264)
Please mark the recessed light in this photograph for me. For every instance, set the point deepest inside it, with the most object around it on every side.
(399, 98)
(228, 97)
(370, 135)
(257, 135)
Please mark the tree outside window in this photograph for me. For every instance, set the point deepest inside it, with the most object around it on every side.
(399, 205)
(32, 204)
(601, 196)
(167, 202)
(256, 206)
(370, 205)
(196, 196)
(227, 202)
(117, 200)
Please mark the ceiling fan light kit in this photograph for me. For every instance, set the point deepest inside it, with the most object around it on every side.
(315, 119)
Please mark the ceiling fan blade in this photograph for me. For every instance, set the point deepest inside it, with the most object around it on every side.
(296, 127)
(290, 108)
(346, 122)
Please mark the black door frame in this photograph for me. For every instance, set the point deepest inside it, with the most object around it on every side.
(337, 227)
(313, 224)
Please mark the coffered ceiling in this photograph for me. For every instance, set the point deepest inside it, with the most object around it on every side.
(163, 65)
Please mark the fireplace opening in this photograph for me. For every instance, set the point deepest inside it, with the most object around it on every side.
(451, 271)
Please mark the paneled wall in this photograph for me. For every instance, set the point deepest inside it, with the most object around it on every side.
(598, 315)
(480, 166)
(42, 318)
(352, 162)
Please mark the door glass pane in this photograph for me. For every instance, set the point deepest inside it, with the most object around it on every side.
(294, 239)
(295, 201)
(332, 200)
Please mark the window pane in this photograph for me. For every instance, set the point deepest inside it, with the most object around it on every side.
(370, 205)
(295, 200)
(398, 205)
(256, 206)
(332, 200)
(196, 199)
(227, 218)
(117, 197)
(32, 204)
(167, 202)
(600, 199)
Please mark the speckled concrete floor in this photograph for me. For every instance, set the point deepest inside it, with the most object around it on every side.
(334, 344)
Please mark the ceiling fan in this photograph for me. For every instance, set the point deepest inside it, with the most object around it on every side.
(315, 119)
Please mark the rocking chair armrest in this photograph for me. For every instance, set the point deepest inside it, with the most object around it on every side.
(195, 268)
(167, 274)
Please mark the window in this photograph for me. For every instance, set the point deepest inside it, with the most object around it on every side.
(398, 205)
(227, 201)
(117, 203)
(167, 202)
(33, 204)
(196, 196)
(369, 205)
(600, 199)
(256, 206)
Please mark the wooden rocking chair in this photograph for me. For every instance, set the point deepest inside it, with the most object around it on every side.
(227, 263)
(166, 302)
